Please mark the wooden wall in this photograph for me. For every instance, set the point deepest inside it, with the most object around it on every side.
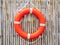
(50, 9)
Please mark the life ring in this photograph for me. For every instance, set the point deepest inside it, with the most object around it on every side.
(38, 32)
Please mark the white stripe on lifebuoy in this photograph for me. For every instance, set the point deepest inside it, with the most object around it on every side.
(16, 22)
(30, 10)
(28, 36)
(42, 24)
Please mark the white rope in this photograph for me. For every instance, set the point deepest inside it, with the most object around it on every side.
(23, 6)
(32, 4)
(27, 4)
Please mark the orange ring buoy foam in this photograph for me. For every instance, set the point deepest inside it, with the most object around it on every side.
(38, 32)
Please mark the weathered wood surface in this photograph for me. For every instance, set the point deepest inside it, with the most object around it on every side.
(50, 9)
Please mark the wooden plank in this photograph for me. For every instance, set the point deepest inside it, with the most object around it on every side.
(59, 39)
(0, 17)
(0, 41)
(0, 25)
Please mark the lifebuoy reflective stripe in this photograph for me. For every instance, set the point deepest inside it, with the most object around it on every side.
(18, 28)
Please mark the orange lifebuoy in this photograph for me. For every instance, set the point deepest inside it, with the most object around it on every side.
(38, 32)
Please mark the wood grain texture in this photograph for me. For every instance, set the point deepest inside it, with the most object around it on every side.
(49, 8)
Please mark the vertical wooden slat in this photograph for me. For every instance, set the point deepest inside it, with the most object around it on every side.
(0, 17)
